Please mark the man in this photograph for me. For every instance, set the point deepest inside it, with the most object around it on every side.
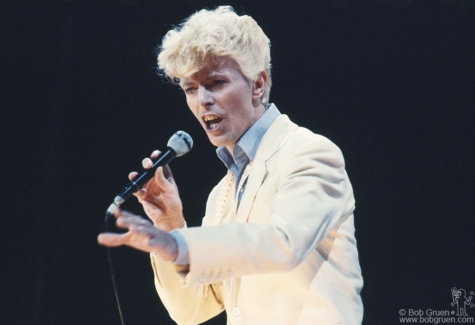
(277, 244)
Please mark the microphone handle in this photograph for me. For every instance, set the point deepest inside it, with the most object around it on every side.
(140, 180)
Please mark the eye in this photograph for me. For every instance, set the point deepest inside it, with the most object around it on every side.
(218, 82)
(189, 90)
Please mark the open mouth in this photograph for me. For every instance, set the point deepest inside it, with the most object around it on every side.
(212, 122)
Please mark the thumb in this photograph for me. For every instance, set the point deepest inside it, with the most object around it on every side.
(162, 181)
(167, 172)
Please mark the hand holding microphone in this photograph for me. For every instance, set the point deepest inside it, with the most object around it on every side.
(159, 197)
(178, 145)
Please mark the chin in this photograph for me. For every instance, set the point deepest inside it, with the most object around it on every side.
(218, 141)
(215, 141)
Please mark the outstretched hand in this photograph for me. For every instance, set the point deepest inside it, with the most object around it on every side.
(142, 235)
(160, 198)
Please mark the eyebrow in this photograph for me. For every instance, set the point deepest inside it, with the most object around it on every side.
(213, 74)
(188, 83)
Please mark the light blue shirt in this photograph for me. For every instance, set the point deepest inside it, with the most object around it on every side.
(244, 151)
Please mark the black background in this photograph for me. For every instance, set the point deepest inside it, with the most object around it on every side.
(391, 82)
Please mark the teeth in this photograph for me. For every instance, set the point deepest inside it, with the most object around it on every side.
(210, 117)
(212, 121)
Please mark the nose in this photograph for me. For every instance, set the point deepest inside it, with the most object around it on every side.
(205, 96)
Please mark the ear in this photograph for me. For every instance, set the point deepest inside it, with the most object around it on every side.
(259, 85)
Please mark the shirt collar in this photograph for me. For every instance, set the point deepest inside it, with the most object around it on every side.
(246, 148)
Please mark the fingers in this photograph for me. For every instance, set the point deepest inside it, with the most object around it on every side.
(160, 184)
(128, 220)
(147, 163)
(167, 172)
(164, 177)
(132, 175)
(111, 240)
(155, 154)
(141, 235)
(163, 180)
(136, 226)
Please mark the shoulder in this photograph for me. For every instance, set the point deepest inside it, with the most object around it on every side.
(301, 141)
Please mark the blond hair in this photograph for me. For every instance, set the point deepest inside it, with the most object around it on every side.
(216, 33)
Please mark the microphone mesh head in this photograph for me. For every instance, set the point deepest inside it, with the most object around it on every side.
(181, 142)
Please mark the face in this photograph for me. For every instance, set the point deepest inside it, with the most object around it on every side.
(223, 100)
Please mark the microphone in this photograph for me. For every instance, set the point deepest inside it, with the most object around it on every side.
(178, 145)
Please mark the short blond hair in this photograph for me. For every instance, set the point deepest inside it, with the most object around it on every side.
(216, 33)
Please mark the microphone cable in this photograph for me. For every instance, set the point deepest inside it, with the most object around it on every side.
(112, 272)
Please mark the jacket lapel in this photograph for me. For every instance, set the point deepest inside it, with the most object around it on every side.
(272, 141)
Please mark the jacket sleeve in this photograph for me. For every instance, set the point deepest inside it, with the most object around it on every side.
(304, 194)
(186, 305)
